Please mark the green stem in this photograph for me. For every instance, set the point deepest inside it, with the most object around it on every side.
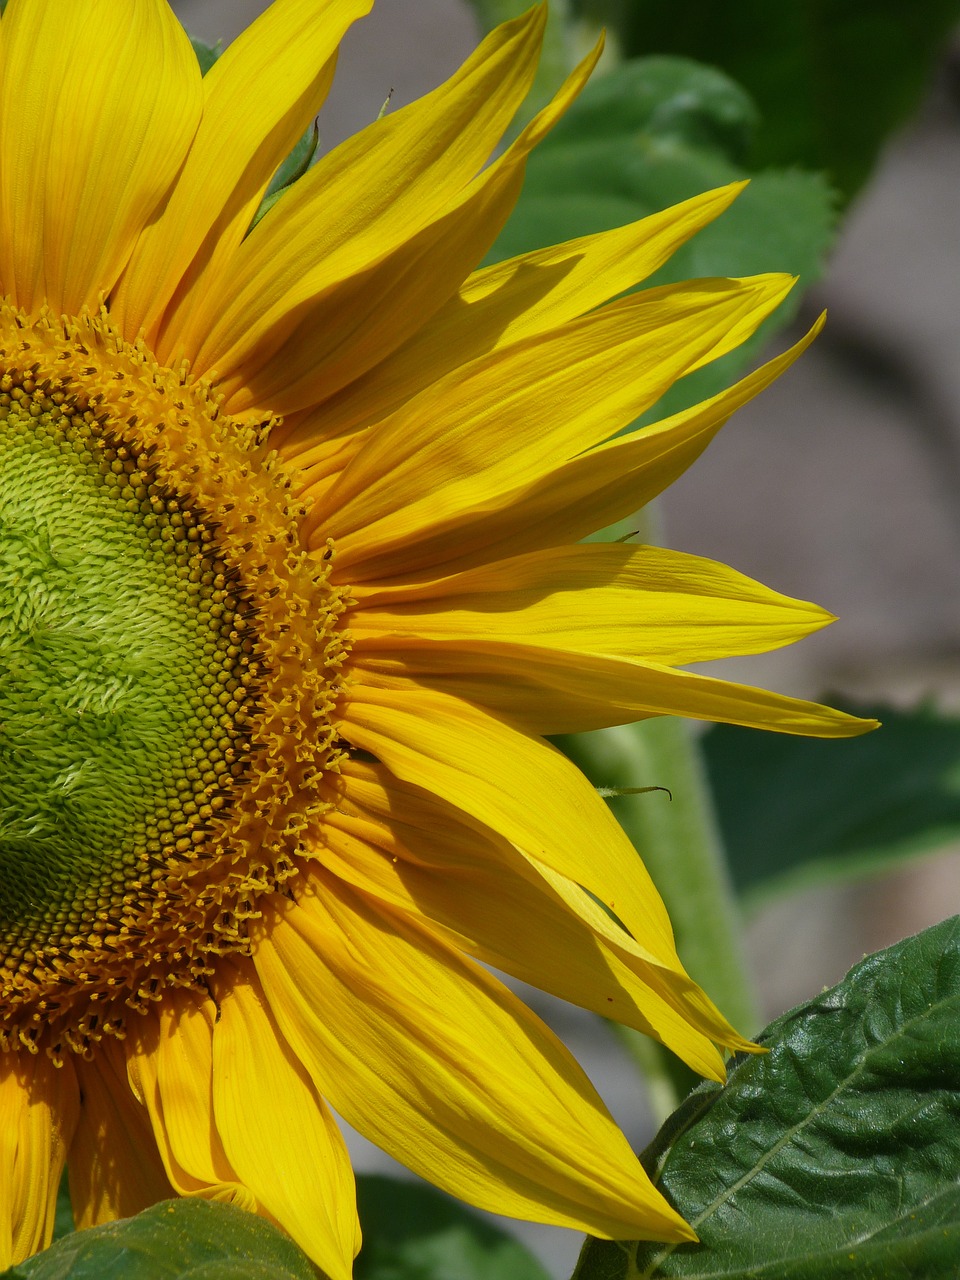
(681, 847)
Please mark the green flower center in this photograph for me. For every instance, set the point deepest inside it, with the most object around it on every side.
(126, 672)
(170, 674)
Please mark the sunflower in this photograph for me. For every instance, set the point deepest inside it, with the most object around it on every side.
(290, 591)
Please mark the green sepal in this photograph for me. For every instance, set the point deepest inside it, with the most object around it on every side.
(294, 167)
(297, 162)
(836, 1153)
(207, 54)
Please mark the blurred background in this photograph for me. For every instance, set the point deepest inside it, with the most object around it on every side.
(840, 484)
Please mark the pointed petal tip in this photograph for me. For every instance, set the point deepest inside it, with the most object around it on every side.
(668, 1230)
(593, 57)
(645, 1215)
(535, 17)
(814, 617)
(725, 195)
(777, 281)
(840, 724)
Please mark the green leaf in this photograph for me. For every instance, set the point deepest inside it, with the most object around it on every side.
(63, 1220)
(174, 1240)
(636, 140)
(412, 1232)
(799, 811)
(649, 134)
(836, 1154)
(832, 78)
(207, 54)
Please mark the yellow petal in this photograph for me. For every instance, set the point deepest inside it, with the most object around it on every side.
(277, 1132)
(257, 100)
(401, 843)
(38, 1112)
(434, 1060)
(351, 324)
(408, 165)
(169, 1066)
(535, 940)
(486, 899)
(115, 1168)
(548, 691)
(509, 301)
(635, 602)
(516, 785)
(98, 103)
(565, 502)
(446, 451)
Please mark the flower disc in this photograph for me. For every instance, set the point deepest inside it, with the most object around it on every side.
(156, 768)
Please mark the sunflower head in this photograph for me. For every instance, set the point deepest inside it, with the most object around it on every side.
(291, 590)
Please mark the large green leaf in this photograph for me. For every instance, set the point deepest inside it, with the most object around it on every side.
(797, 811)
(832, 78)
(650, 134)
(411, 1232)
(174, 1240)
(836, 1154)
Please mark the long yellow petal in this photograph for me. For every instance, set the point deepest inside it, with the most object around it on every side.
(549, 940)
(633, 602)
(351, 324)
(549, 691)
(434, 1060)
(488, 900)
(98, 103)
(289, 55)
(504, 303)
(169, 1067)
(260, 1092)
(565, 502)
(408, 165)
(115, 1169)
(480, 764)
(446, 451)
(430, 835)
(38, 1112)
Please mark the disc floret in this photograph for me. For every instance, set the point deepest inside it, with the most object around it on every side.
(169, 672)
